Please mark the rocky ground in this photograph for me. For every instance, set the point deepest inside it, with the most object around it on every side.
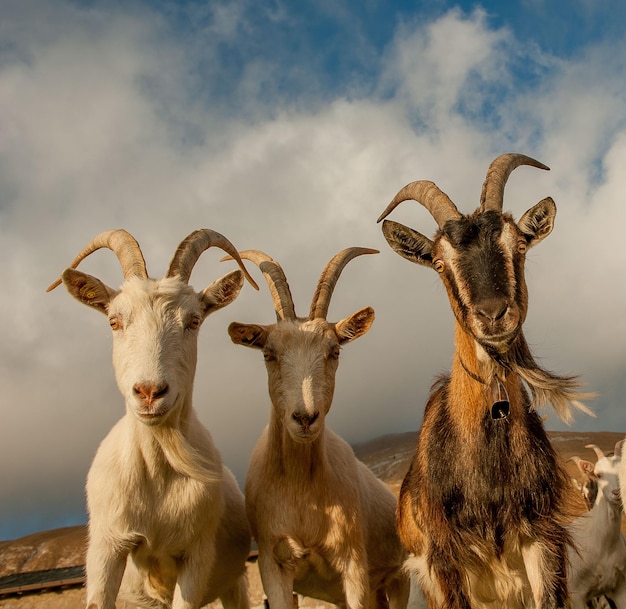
(388, 457)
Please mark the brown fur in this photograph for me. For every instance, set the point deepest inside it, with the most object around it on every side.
(485, 504)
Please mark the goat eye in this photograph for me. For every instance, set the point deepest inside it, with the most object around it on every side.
(269, 355)
(439, 266)
(193, 323)
(334, 352)
(115, 323)
(522, 246)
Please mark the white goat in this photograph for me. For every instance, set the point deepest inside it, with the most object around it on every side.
(324, 524)
(167, 521)
(598, 557)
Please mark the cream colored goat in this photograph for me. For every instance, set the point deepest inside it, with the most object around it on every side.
(324, 524)
(598, 557)
(167, 521)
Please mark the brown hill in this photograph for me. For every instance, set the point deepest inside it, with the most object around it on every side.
(388, 456)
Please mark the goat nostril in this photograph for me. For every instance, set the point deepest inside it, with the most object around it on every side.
(161, 390)
(493, 309)
(150, 391)
(502, 313)
(305, 419)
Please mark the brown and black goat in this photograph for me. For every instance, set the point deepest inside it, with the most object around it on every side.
(485, 504)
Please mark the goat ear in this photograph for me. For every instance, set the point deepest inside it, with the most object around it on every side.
(537, 223)
(408, 243)
(88, 289)
(586, 467)
(354, 326)
(248, 335)
(221, 292)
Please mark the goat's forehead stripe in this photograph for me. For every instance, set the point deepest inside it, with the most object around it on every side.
(509, 235)
(445, 250)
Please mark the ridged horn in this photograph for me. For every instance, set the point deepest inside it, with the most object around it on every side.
(492, 195)
(430, 196)
(276, 281)
(596, 449)
(191, 248)
(123, 245)
(328, 279)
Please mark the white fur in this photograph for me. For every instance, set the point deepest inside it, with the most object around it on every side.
(167, 523)
(598, 559)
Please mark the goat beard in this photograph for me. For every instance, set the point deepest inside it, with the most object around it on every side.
(544, 386)
(184, 458)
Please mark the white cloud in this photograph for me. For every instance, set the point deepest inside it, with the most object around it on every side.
(99, 132)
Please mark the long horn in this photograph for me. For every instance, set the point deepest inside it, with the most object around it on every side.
(193, 245)
(276, 281)
(492, 195)
(430, 196)
(618, 449)
(597, 450)
(123, 245)
(328, 279)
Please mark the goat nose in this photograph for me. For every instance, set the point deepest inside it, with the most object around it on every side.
(148, 391)
(304, 419)
(492, 309)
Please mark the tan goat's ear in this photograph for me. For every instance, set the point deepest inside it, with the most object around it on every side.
(88, 289)
(221, 292)
(537, 223)
(354, 326)
(408, 243)
(248, 335)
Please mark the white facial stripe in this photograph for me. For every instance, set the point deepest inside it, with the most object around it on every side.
(448, 253)
(508, 243)
(307, 394)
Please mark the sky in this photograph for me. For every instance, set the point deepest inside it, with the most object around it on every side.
(288, 126)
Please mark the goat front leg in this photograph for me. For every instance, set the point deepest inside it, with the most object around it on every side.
(618, 595)
(194, 573)
(104, 570)
(355, 578)
(444, 578)
(545, 568)
(399, 591)
(277, 576)
(237, 596)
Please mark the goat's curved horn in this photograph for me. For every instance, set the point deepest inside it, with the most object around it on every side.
(596, 449)
(276, 281)
(430, 196)
(328, 279)
(618, 449)
(193, 245)
(492, 195)
(123, 245)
